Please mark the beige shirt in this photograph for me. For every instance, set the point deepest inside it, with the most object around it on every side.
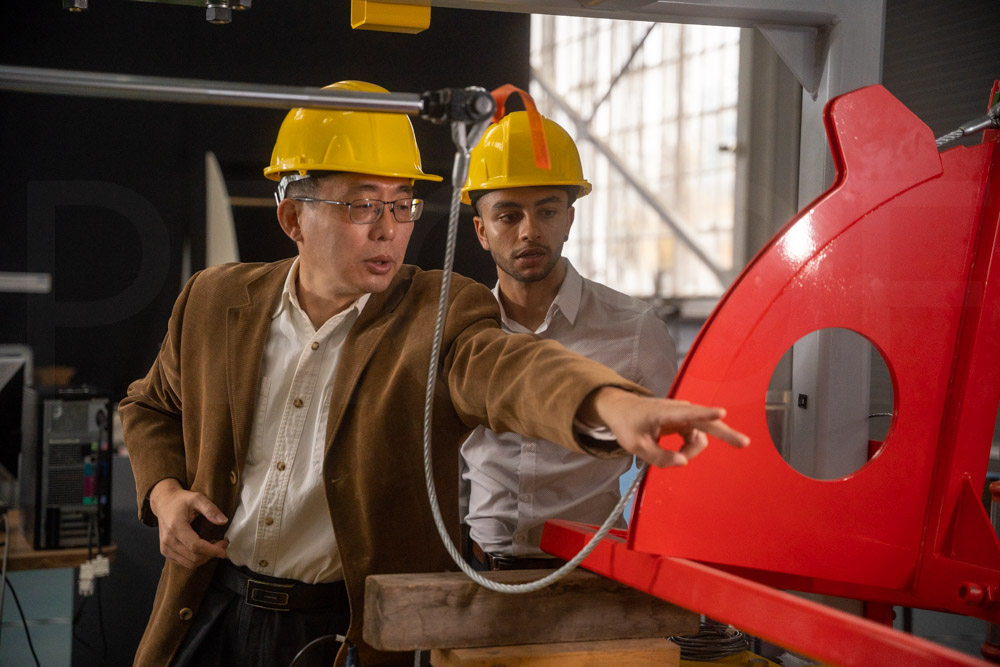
(282, 525)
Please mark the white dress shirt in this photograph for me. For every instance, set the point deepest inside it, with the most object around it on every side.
(282, 525)
(514, 483)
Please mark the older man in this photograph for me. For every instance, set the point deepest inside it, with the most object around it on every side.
(276, 439)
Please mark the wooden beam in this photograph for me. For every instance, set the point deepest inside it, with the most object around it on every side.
(408, 612)
(621, 653)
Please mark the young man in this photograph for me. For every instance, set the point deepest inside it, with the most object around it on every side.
(276, 440)
(513, 483)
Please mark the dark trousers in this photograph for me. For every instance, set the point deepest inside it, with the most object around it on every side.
(228, 631)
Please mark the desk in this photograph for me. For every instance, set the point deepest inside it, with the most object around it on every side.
(21, 555)
(44, 580)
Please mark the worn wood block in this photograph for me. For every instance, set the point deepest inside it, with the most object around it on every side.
(407, 612)
(621, 653)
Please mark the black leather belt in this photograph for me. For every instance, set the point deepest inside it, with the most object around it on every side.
(497, 562)
(258, 590)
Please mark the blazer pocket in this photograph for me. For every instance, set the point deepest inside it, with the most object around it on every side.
(256, 452)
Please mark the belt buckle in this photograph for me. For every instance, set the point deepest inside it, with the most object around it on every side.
(262, 594)
(502, 562)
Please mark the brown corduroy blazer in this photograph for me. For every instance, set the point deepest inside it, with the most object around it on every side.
(190, 418)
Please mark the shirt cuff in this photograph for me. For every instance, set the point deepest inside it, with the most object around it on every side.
(595, 432)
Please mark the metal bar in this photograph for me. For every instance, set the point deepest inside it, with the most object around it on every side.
(31, 283)
(621, 72)
(194, 91)
(722, 274)
(795, 623)
(737, 13)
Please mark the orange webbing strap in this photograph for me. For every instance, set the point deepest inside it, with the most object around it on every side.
(541, 148)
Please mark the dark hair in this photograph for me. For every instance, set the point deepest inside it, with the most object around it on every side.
(572, 192)
(308, 187)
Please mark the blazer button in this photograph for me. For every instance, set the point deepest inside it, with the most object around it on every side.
(232, 476)
(186, 614)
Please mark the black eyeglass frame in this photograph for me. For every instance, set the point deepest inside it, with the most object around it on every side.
(394, 206)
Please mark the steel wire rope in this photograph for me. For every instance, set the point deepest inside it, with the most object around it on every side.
(465, 137)
(991, 121)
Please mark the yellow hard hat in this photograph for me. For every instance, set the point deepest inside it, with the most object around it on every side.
(504, 158)
(364, 142)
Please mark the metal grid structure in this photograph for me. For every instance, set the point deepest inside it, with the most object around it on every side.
(653, 110)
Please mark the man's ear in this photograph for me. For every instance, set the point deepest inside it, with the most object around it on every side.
(570, 218)
(481, 232)
(288, 218)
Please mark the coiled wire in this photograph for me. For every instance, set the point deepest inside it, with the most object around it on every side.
(714, 641)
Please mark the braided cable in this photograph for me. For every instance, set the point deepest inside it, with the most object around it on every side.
(459, 173)
(991, 121)
(950, 137)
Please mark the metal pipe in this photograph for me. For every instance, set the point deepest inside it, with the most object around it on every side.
(194, 91)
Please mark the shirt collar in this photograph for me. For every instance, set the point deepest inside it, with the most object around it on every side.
(567, 302)
(570, 293)
(288, 297)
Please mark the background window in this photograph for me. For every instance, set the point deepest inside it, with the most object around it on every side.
(653, 110)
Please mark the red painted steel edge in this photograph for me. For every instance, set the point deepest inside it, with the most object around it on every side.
(895, 252)
(795, 623)
(903, 249)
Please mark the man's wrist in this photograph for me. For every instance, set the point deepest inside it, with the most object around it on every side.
(161, 490)
(589, 413)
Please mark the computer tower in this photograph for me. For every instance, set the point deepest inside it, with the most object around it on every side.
(15, 373)
(65, 477)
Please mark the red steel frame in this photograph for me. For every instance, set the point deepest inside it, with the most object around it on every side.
(904, 250)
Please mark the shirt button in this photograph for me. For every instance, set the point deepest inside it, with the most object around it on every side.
(519, 537)
(524, 497)
(186, 614)
(297, 403)
(315, 345)
(232, 477)
(268, 521)
(281, 465)
(262, 563)
(529, 447)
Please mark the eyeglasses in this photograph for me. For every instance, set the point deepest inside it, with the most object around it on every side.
(368, 211)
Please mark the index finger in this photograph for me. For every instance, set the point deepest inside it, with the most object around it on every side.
(187, 537)
(724, 432)
(678, 413)
(206, 549)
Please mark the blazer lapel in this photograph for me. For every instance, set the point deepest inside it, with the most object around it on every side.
(372, 324)
(247, 328)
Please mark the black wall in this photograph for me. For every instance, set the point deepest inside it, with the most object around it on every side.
(940, 59)
(104, 194)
